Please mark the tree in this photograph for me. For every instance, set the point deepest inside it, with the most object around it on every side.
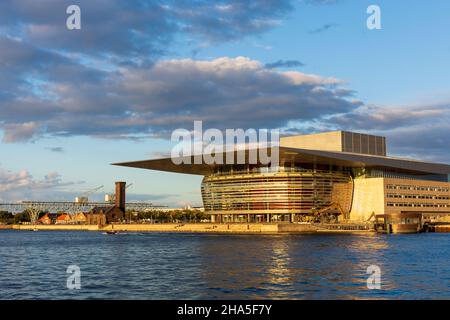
(175, 215)
(6, 217)
(21, 217)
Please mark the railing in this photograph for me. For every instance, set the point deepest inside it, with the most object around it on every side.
(347, 227)
(274, 170)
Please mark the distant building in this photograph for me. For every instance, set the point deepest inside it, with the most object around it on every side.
(48, 218)
(105, 215)
(348, 174)
(102, 215)
(79, 218)
(63, 219)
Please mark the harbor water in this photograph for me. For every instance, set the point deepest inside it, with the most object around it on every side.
(34, 265)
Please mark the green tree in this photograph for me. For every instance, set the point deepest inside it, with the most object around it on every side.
(6, 217)
(21, 217)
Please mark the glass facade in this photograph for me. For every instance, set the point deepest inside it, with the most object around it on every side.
(286, 191)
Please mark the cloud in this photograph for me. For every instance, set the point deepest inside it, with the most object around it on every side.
(262, 46)
(323, 28)
(389, 118)
(416, 131)
(15, 132)
(138, 29)
(284, 64)
(22, 185)
(321, 2)
(159, 154)
(133, 101)
(56, 149)
(110, 79)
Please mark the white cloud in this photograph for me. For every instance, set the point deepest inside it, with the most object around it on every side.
(154, 100)
(18, 132)
(21, 185)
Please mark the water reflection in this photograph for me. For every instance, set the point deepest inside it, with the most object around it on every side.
(298, 266)
(194, 266)
(279, 273)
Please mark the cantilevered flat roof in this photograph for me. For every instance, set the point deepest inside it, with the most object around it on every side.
(286, 155)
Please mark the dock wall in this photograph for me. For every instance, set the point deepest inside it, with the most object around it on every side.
(56, 227)
(178, 227)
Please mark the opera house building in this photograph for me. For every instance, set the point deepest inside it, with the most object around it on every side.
(343, 173)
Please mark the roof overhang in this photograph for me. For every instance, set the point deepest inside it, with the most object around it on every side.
(195, 164)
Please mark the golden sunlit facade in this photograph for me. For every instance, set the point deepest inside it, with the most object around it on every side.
(263, 196)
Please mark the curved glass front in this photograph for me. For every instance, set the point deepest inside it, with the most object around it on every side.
(287, 191)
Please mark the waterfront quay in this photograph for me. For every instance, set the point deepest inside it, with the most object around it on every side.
(253, 228)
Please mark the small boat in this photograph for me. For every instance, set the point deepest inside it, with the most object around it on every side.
(112, 231)
(35, 230)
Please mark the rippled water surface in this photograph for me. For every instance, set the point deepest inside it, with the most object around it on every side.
(212, 266)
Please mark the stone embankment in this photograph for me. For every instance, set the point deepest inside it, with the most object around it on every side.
(255, 228)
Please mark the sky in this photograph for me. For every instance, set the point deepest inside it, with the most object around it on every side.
(74, 101)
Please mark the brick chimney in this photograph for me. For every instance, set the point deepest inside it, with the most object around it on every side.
(120, 195)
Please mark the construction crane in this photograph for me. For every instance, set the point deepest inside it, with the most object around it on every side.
(335, 206)
(111, 197)
(84, 197)
(371, 216)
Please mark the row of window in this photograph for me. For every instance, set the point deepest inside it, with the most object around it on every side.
(416, 196)
(418, 205)
(300, 192)
(417, 188)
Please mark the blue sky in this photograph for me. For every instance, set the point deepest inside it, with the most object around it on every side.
(72, 102)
